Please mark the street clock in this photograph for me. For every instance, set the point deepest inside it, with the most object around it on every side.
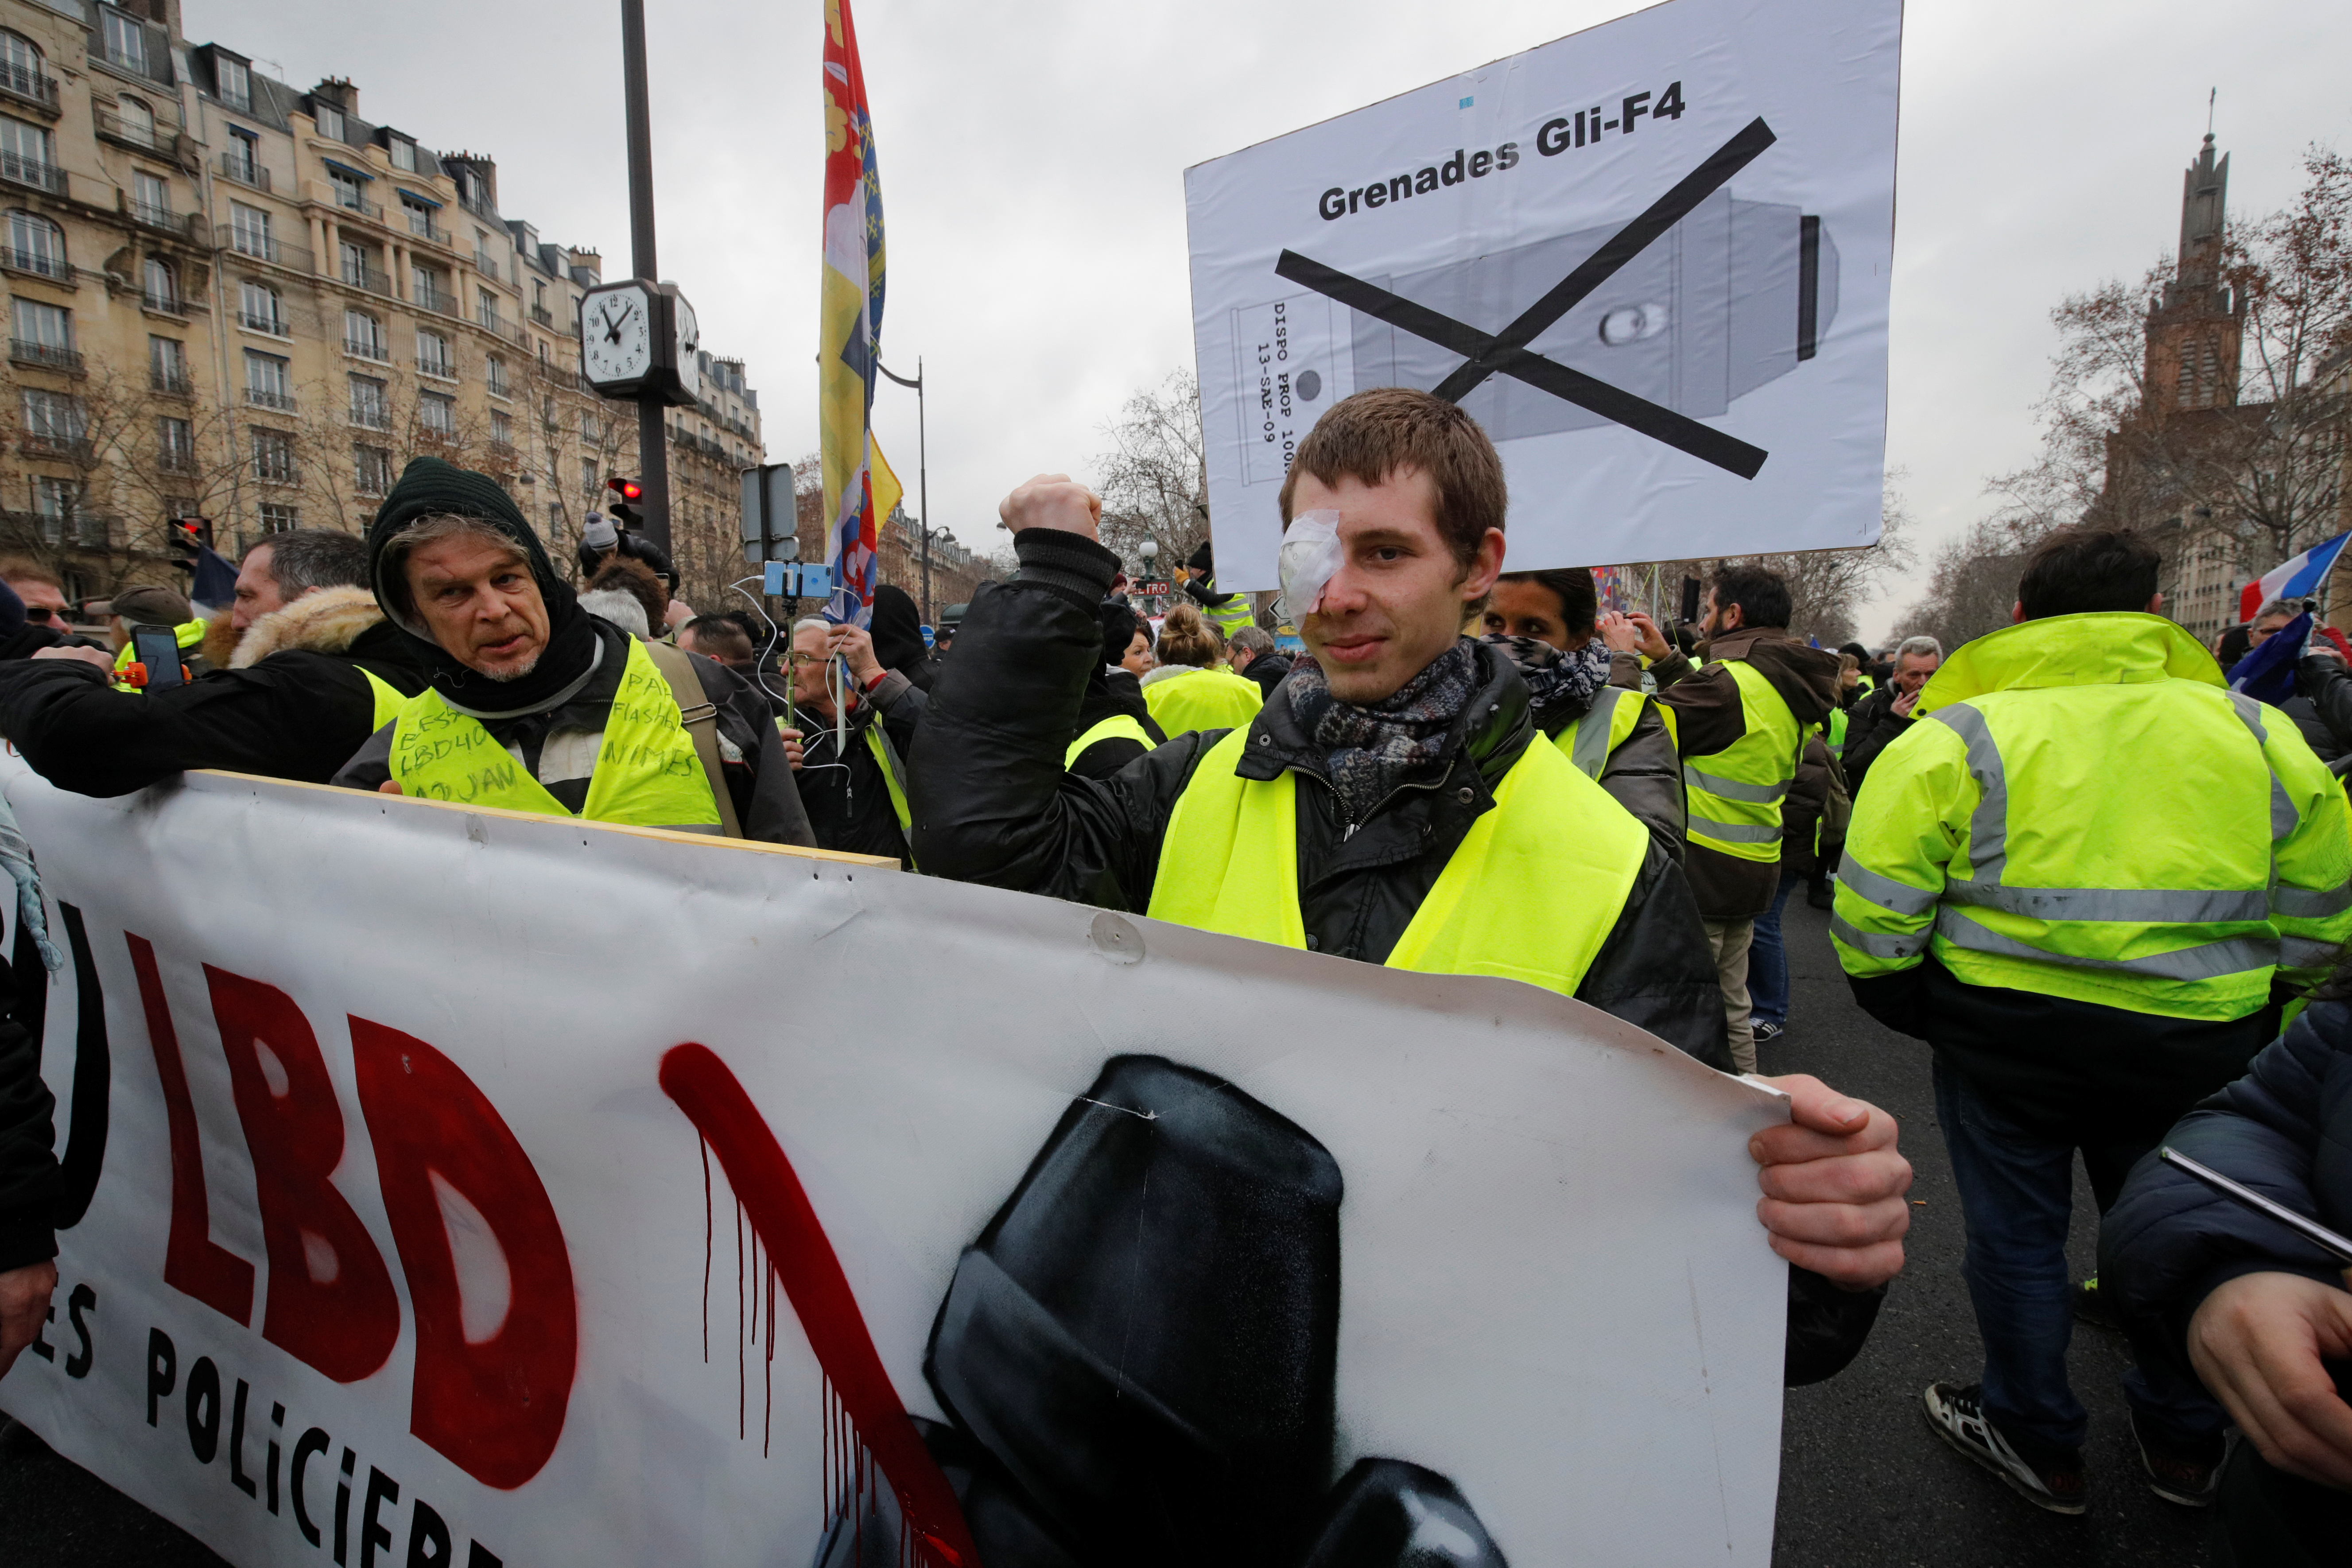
(638, 337)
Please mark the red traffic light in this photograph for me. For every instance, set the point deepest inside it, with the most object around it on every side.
(628, 489)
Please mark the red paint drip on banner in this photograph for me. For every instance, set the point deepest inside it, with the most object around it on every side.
(770, 1194)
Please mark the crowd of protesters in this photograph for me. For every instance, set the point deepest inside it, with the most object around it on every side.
(2097, 878)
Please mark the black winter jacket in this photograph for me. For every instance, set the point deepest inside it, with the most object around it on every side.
(2322, 706)
(28, 1162)
(1870, 728)
(993, 805)
(849, 805)
(1111, 691)
(2284, 1129)
(299, 713)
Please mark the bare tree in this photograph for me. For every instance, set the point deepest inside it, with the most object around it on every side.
(1154, 480)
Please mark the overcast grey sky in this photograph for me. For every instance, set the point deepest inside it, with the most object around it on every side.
(1033, 155)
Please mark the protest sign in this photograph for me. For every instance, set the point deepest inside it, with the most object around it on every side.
(1651, 258)
(469, 1187)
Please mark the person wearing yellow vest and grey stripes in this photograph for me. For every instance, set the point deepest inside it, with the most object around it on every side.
(1548, 623)
(315, 670)
(534, 704)
(851, 769)
(1742, 720)
(1392, 803)
(1226, 612)
(2088, 877)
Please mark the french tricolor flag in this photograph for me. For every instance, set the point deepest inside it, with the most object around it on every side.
(2299, 578)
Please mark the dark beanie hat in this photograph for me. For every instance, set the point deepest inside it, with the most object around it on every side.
(1119, 627)
(431, 487)
(1203, 559)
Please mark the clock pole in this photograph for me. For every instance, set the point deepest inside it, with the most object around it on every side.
(653, 446)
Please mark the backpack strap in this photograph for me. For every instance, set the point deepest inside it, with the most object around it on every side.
(700, 717)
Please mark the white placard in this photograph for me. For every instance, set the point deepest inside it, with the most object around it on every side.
(1652, 258)
(385, 1114)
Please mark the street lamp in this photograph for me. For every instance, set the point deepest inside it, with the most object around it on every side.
(1150, 551)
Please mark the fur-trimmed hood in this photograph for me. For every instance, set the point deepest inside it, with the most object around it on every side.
(327, 620)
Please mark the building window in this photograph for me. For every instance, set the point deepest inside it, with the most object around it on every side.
(175, 445)
(167, 365)
(230, 83)
(260, 308)
(278, 517)
(486, 307)
(53, 421)
(348, 194)
(436, 414)
(363, 336)
(27, 157)
(36, 245)
(151, 199)
(494, 372)
(268, 381)
(42, 334)
(588, 475)
(555, 522)
(21, 72)
(248, 232)
(55, 501)
(591, 429)
(137, 119)
(419, 216)
(329, 119)
(273, 456)
(403, 152)
(126, 39)
(426, 289)
(159, 290)
(369, 410)
(501, 429)
(243, 158)
(373, 470)
(432, 354)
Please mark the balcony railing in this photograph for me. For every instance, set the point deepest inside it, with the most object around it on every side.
(480, 207)
(375, 417)
(270, 471)
(145, 135)
(422, 226)
(49, 443)
(350, 202)
(361, 276)
(511, 331)
(25, 86)
(47, 356)
(264, 397)
(36, 261)
(428, 365)
(264, 248)
(172, 382)
(244, 171)
(22, 171)
(362, 348)
(255, 322)
(543, 316)
(157, 217)
(175, 460)
(166, 304)
(435, 299)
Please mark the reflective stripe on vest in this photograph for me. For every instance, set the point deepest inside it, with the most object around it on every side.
(1118, 727)
(2071, 920)
(1835, 734)
(1735, 794)
(1530, 894)
(647, 773)
(1601, 729)
(389, 698)
(894, 779)
(1230, 616)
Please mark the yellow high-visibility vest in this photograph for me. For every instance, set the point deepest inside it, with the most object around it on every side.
(646, 773)
(1530, 894)
(389, 698)
(1203, 699)
(1601, 729)
(1735, 794)
(1119, 726)
(2085, 811)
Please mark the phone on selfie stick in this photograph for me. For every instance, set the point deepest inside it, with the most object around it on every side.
(155, 658)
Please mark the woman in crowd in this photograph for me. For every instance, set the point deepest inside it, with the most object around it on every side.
(1192, 688)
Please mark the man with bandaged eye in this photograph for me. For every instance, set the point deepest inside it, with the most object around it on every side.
(1392, 803)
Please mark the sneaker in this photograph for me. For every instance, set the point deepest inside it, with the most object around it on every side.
(1958, 1416)
(2091, 1309)
(2189, 1476)
(1768, 1033)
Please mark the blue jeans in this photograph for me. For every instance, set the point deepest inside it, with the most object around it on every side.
(1768, 958)
(2017, 1190)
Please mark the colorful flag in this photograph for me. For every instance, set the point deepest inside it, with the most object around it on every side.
(2298, 578)
(850, 322)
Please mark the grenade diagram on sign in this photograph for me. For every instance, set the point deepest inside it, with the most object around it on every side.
(1654, 325)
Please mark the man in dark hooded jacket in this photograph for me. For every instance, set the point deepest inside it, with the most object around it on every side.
(306, 685)
(525, 705)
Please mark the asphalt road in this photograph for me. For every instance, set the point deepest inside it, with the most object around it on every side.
(1863, 1482)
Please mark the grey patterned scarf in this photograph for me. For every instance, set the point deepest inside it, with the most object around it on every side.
(1369, 750)
(1558, 683)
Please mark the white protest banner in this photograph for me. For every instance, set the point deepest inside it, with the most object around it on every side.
(464, 1187)
(1651, 258)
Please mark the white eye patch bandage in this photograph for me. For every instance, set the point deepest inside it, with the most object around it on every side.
(1312, 555)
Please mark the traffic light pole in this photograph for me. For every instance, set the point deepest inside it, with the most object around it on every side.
(653, 444)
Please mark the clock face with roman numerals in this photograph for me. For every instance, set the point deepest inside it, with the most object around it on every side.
(616, 335)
